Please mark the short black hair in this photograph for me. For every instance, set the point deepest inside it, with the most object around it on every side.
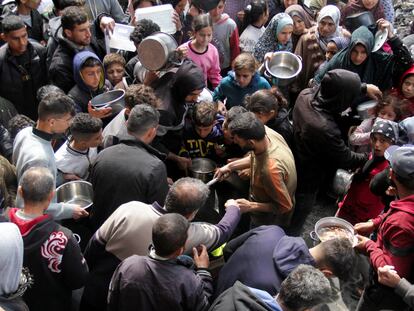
(141, 119)
(19, 122)
(234, 113)
(169, 234)
(84, 126)
(37, 183)
(63, 4)
(55, 105)
(47, 89)
(247, 126)
(143, 29)
(140, 94)
(204, 113)
(186, 195)
(12, 23)
(91, 62)
(264, 101)
(339, 256)
(136, 3)
(72, 16)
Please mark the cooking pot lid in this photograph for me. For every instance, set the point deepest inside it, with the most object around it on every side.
(380, 38)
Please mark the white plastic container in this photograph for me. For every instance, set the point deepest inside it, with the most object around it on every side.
(162, 15)
(119, 39)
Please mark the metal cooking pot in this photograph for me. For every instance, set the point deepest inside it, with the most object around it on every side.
(354, 21)
(78, 192)
(283, 68)
(203, 169)
(114, 99)
(341, 182)
(365, 110)
(333, 222)
(158, 51)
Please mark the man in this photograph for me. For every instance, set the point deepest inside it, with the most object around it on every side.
(51, 252)
(164, 280)
(22, 67)
(395, 240)
(272, 171)
(76, 36)
(127, 232)
(131, 170)
(263, 257)
(32, 146)
(304, 288)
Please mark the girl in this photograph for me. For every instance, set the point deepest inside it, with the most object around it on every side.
(242, 81)
(333, 47)
(255, 16)
(405, 90)
(277, 37)
(353, 7)
(269, 106)
(360, 204)
(202, 52)
(301, 22)
(388, 109)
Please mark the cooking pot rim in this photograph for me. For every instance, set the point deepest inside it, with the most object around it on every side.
(290, 54)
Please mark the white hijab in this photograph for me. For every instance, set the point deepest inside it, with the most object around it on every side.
(11, 258)
(333, 12)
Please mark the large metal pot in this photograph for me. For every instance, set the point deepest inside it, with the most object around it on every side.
(357, 20)
(158, 51)
(366, 109)
(77, 192)
(283, 68)
(342, 181)
(328, 225)
(203, 169)
(114, 99)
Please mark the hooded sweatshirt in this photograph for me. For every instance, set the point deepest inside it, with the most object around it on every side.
(398, 91)
(82, 93)
(262, 258)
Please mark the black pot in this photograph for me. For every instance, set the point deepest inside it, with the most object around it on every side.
(354, 21)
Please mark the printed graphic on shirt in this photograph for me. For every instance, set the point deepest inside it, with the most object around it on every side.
(52, 249)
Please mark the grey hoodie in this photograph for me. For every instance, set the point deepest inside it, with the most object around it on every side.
(110, 7)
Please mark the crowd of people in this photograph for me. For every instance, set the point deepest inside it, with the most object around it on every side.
(147, 241)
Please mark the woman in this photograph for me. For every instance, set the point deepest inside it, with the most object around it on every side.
(301, 22)
(353, 7)
(312, 45)
(277, 37)
(379, 68)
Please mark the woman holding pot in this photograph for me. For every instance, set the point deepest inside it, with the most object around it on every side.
(312, 45)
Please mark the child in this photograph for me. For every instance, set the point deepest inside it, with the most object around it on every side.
(203, 135)
(255, 16)
(334, 46)
(406, 91)
(388, 109)
(114, 65)
(360, 204)
(269, 106)
(89, 75)
(163, 280)
(242, 81)
(225, 37)
(202, 52)
(74, 159)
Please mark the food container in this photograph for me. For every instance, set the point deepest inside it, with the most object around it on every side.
(283, 68)
(341, 182)
(203, 169)
(119, 39)
(357, 20)
(113, 99)
(380, 37)
(365, 110)
(328, 228)
(158, 51)
(77, 192)
(162, 15)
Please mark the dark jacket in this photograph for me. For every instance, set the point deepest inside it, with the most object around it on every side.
(53, 257)
(262, 258)
(240, 297)
(145, 283)
(282, 125)
(13, 304)
(320, 148)
(6, 144)
(129, 171)
(22, 76)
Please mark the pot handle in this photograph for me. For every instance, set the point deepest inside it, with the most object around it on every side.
(300, 57)
(313, 236)
(267, 75)
(77, 237)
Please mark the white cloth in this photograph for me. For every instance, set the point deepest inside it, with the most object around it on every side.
(249, 38)
(115, 128)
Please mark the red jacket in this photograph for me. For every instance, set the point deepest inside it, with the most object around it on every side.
(395, 242)
(408, 111)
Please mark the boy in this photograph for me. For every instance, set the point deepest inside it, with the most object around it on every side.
(225, 37)
(89, 76)
(114, 65)
(163, 280)
(203, 134)
(360, 204)
(74, 158)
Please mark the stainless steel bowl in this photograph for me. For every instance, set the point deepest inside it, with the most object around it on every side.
(283, 67)
(114, 99)
(366, 109)
(326, 222)
(342, 181)
(203, 169)
(77, 192)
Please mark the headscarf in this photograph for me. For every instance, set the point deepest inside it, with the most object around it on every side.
(354, 7)
(297, 10)
(268, 41)
(340, 42)
(334, 13)
(11, 258)
(387, 128)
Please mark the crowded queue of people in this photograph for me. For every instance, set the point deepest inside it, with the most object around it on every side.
(156, 238)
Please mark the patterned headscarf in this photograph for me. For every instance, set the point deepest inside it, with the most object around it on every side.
(387, 128)
(333, 12)
(268, 41)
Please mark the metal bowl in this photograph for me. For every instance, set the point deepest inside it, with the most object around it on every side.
(203, 169)
(341, 182)
(284, 67)
(114, 99)
(77, 192)
(333, 222)
(365, 110)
